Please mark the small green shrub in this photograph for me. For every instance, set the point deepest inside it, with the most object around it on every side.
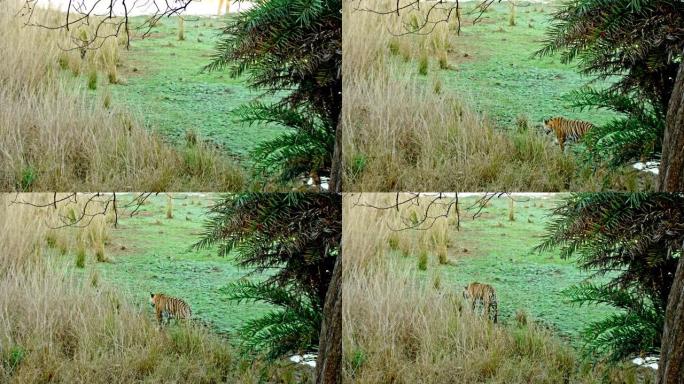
(394, 47)
(71, 215)
(92, 79)
(413, 217)
(358, 358)
(28, 177)
(393, 242)
(80, 257)
(423, 64)
(358, 164)
(413, 23)
(14, 358)
(423, 260)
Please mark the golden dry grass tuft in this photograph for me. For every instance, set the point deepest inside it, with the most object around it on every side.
(57, 133)
(402, 133)
(398, 328)
(169, 207)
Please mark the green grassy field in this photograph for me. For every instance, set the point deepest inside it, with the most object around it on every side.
(491, 249)
(164, 82)
(492, 65)
(150, 253)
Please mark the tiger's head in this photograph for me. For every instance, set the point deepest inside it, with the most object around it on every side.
(547, 126)
(465, 292)
(550, 125)
(153, 299)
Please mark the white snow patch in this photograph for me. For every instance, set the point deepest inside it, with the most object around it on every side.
(324, 182)
(650, 362)
(306, 359)
(649, 166)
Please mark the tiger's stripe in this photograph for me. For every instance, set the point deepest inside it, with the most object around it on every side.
(567, 130)
(168, 307)
(484, 294)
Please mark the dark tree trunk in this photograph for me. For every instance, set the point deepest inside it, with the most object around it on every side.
(671, 179)
(671, 365)
(335, 183)
(329, 362)
(671, 173)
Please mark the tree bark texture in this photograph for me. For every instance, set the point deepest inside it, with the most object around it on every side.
(329, 362)
(336, 167)
(671, 172)
(671, 364)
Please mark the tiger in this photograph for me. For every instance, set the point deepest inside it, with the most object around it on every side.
(167, 307)
(566, 130)
(484, 294)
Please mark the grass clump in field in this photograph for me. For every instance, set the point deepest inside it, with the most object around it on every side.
(181, 28)
(169, 207)
(56, 135)
(423, 65)
(415, 134)
(92, 79)
(80, 256)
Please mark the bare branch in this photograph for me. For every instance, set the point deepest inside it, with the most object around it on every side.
(110, 18)
(92, 205)
(429, 202)
(438, 12)
(447, 201)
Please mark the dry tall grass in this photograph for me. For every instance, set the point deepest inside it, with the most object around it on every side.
(55, 134)
(404, 131)
(398, 328)
(62, 326)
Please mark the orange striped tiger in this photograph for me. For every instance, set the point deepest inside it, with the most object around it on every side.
(166, 307)
(566, 130)
(483, 294)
